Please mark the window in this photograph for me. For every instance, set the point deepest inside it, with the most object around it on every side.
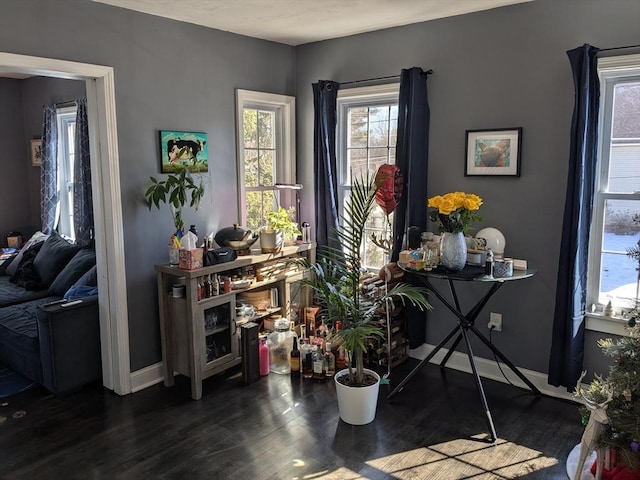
(266, 147)
(613, 275)
(367, 129)
(66, 154)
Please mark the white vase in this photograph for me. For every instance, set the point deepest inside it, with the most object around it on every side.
(357, 405)
(453, 251)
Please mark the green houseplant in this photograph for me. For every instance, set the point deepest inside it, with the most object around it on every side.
(336, 287)
(178, 189)
(280, 227)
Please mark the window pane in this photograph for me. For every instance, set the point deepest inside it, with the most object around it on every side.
(266, 129)
(379, 127)
(250, 128)
(377, 157)
(356, 162)
(618, 274)
(357, 127)
(267, 167)
(626, 110)
(251, 168)
(624, 167)
(254, 209)
(393, 126)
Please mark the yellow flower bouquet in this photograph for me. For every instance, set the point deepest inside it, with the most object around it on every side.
(455, 212)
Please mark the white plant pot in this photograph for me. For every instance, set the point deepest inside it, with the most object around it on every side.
(357, 405)
(271, 241)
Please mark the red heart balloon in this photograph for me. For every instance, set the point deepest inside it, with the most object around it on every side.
(389, 182)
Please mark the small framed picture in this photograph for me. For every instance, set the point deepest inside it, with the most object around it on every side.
(36, 152)
(493, 152)
(180, 150)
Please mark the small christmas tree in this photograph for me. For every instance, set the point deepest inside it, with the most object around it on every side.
(623, 431)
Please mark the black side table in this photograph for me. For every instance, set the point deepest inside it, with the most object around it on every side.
(466, 325)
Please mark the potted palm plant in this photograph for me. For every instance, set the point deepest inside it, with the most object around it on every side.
(336, 286)
(176, 190)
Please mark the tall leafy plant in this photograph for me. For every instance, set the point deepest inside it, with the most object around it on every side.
(178, 189)
(337, 282)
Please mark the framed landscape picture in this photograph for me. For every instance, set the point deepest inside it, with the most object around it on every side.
(493, 152)
(179, 150)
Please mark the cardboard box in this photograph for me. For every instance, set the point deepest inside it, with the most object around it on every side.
(191, 259)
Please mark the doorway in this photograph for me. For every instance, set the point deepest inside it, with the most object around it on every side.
(107, 206)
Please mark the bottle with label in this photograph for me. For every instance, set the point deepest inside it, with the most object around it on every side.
(307, 362)
(295, 358)
(199, 288)
(263, 355)
(318, 360)
(207, 287)
(330, 360)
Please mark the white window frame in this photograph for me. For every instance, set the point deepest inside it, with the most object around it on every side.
(611, 70)
(368, 96)
(284, 107)
(64, 210)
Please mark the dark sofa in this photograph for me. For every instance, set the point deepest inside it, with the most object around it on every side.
(41, 337)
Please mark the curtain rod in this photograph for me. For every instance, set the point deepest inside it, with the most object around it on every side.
(428, 72)
(619, 48)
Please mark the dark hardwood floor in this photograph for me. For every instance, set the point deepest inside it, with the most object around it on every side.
(283, 428)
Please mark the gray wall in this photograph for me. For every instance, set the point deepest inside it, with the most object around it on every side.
(505, 67)
(502, 68)
(168, 75)
(15, 163)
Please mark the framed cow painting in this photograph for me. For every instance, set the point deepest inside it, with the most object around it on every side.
(179, 150)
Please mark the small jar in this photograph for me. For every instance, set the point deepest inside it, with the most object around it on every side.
(280, 345)
(503, 268)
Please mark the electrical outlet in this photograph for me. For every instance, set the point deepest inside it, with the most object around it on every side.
(495, 322)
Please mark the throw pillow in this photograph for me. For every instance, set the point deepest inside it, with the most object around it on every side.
(37, 237)
(89, 279)
(76, 268)
(53, 256)
(26, 275)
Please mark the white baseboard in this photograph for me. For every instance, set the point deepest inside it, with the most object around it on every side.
(146, 377)
(489, 369)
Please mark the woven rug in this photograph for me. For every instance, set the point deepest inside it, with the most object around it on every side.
(12, 383)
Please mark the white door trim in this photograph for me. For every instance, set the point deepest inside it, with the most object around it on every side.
(107, 205)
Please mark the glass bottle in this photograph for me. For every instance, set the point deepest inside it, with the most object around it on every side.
(307, 365)
(295, 358)
(280, 345)
(263, 355)
(330, 360)
(318, 360)
(341, 360)
(199, 288)
(207, 287)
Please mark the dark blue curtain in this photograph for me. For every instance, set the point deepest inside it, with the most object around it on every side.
(412, 155)
(567, 347)
(49, 193)
(82, 197)
(412, 150)
(325, 95)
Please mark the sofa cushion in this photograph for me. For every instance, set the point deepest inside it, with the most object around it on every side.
(76, 268)
(37, 237)
(12, 294)
(53, 256)
(89, 279)
(19, 344)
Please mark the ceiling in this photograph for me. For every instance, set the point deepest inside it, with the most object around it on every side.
(295, 22)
